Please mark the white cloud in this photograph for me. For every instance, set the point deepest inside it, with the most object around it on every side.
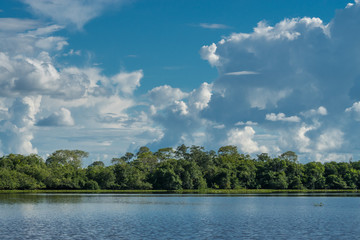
(22, 75)
(287, 70)
(72, 52)
(331, 139)
(249, 123)
(262, 98)
(43, 30)
(240, 73)
(60, 118)
(16, 131)
(200, 98)
(27, 37)
(288, 29)
(354, 108)
(165, 95)
(76, 12)
(244, 139)
(219, 126)
(128, 82)
(28, 69)
(321, 111)
(180, 115)
(281, 117)
(332, 157)
(307, 74)
(209, 53)
(51, 43)
(181, 107)
(17, 25)
(297, 138)
(213, 26)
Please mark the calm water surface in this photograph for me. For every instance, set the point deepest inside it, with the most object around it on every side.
(121, 216)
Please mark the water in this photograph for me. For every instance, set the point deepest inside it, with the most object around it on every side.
(121, 216)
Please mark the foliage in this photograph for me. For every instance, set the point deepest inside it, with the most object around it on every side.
(180, 169)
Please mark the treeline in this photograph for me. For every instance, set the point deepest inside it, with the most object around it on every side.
(172, 169)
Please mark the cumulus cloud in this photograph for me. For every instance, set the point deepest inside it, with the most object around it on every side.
(320, 111)
(37, 75)
(354, 108)
(59, 118)
(268, 78)
(16, 130)
(179, 115)
(249, 123)
(165, 95)
(180, 107)
(300, 71)
(333, 157)
(200, 98)
(297, 138)
(331, 139)
(281, 117)
(209, 53)
(354, 111)
(244, 139)
(75, 12)
(29, 71)
(128, 82)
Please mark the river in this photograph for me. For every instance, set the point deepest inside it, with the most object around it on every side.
(165, 216)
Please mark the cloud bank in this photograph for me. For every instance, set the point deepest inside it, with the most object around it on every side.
(291, 86)
(297, 80)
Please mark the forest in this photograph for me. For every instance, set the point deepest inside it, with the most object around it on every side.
(175, 169)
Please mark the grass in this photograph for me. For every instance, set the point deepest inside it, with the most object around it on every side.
(201, 191)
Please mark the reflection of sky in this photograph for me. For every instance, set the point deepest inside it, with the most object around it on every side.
(177, 216)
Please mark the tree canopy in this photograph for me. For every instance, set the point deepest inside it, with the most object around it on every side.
(183, 167)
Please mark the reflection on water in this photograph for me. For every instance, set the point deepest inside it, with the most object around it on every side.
(142, 216)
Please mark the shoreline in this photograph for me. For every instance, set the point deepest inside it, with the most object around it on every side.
(202, 191)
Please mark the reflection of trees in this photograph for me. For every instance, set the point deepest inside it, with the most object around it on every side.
(36, 198)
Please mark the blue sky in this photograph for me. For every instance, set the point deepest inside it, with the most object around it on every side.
(108, 76)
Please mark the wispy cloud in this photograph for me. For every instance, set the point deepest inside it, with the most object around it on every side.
(213, 26)
(17, 25)
(72, 12)
(241, 73)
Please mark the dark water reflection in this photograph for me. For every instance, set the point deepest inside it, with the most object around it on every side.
(121, 216)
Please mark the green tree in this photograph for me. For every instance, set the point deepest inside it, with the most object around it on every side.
(104, 176)
(145, 160)
(314, 175)
(67, 157)
(164, 177)
(65, 169)
(290, 156)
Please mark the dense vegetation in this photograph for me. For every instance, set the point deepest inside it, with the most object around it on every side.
(183, 168)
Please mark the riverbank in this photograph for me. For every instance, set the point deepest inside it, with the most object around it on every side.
(202, 191)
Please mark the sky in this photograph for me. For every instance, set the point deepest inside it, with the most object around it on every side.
(109, 76)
